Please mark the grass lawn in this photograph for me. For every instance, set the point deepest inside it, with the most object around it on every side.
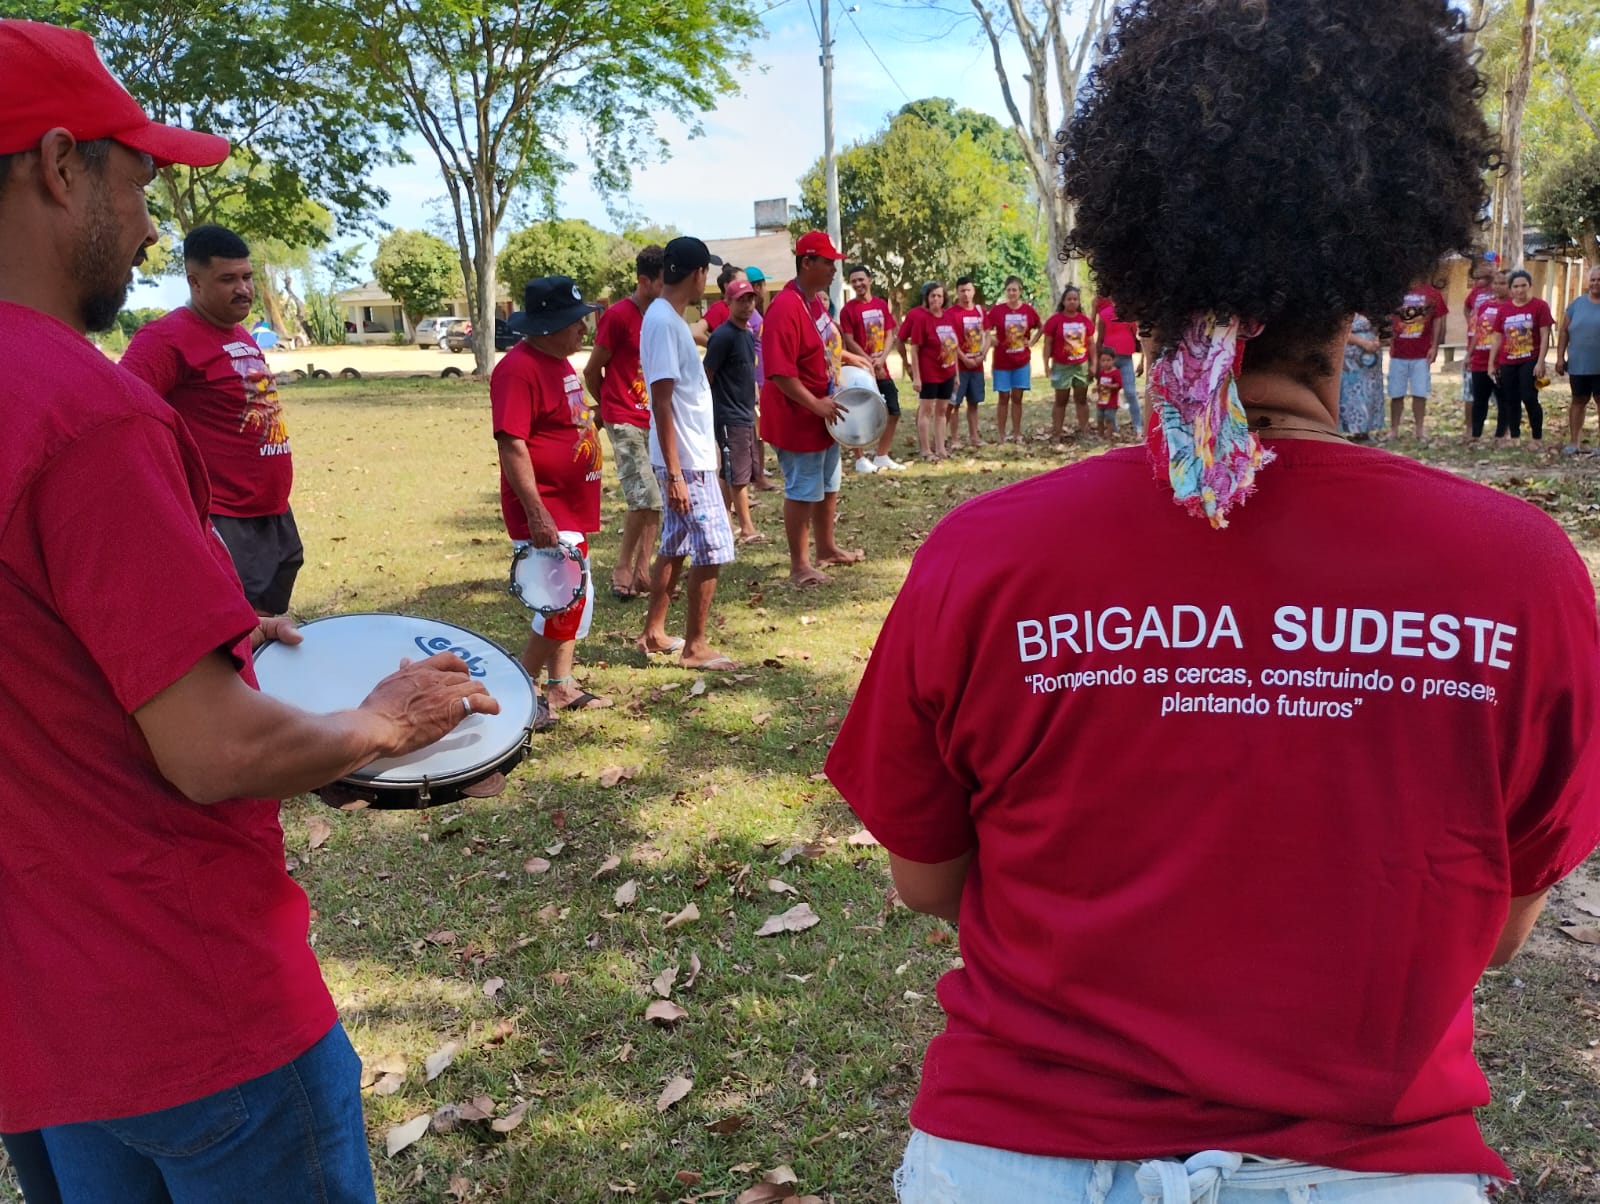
(534, 930)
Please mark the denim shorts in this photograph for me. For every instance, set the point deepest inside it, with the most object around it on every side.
(969, 387)
(1008, 379)
(1410, 378)
(810, 476)
(938, 1171)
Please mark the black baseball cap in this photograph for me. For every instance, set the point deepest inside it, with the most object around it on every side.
(685, 255)
(549, 304)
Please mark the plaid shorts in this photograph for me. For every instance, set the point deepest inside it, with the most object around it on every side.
(703, 532)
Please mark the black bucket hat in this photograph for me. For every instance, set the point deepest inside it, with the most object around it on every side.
(549, 304)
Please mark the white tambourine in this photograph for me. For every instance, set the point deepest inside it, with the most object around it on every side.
(549, 580)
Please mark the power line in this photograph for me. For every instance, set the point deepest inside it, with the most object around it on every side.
(850, 12)
(810, 8)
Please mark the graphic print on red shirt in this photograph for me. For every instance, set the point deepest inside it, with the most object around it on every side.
(1232, 828)
(1413, 323)
(1012, 330)
(538, 398)
(969, 323)
(220, 384)
(1069, 335)
(1520, 325)
(1110, 386)
(936, 340)
(624, 400)
(164, 956)
(869, 323)
(1480, 327)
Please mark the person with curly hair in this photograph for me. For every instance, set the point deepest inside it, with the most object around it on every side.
(1235, 962)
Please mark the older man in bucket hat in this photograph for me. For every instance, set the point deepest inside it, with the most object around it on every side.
(141, 856)
(550, 467)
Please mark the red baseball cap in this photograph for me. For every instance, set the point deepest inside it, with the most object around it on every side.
(817, 243)
(52, 77)
(739, 288)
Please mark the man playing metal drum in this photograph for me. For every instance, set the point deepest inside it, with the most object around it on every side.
(141, 859)
(549, 467)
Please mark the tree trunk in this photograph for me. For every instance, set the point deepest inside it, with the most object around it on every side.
(1516, 103)
(271, 302)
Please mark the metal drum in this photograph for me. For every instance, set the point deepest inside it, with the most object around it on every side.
(866, 417)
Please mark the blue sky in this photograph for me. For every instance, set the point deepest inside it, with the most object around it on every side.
(757, 143)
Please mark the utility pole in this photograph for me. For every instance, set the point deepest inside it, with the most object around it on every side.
(830, 167)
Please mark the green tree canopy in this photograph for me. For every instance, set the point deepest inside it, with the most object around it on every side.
(262, 74)
(560, 247)
(620, 274)
(503, 90)
(1566, 201)
(417, 269)
(916, 201)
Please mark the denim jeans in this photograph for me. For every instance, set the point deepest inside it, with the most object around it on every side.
(937, 1171)
(31, 1164)
(1130, 390)
(294, 1134)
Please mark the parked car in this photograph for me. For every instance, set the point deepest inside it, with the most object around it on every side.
(429, 329)
(452, 326)
(459, 337)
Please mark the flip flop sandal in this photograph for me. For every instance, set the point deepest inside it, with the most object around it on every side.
(673, 646)
(582, 701)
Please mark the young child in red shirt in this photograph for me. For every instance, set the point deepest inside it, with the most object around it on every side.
(1107, 386)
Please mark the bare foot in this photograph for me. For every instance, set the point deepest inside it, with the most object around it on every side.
(767, 486)
(839, 556)
(710, 661)
(809, 576)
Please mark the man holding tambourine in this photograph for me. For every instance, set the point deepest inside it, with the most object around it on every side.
(550, 473)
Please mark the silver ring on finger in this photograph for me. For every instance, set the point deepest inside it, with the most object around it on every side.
(466, 705)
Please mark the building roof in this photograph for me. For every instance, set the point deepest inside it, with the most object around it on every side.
(370, 294)
(772, 253)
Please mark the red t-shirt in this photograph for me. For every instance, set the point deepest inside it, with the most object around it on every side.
(154, 949)
(219, 382)
(1247, 806)
(716, 314)
(936, 340)
(1471, 303)
(969, 325)
(1012, 329)
(539, 399)
(1480, 330)
(1110, 384)
(624, 400)
(869, 323)
(1412, 337)
(1070, 336)
(1122, 338)
(1520, 325)
(801, 340)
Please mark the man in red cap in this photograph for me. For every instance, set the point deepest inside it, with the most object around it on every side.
(801, 350)
(164, 1026)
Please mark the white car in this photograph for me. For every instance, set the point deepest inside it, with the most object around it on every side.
(429, 329)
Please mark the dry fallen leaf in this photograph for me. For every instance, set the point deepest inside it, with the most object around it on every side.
(731, 1123)
(388, 1084)
(441, 936)
(808, 851)
(627, 893)
(664, 1011)
(781, 1174)
(318, 829)
(535, 865)
(502, 1029)
(480, 1107)
(761, 719)
(698, 688)
(606, 866)
(372, 1071)
(399, 1137)
(662, 985)
(687, 915)
(445, 1118)
(459, 1187)
(797, 919)
(779, 887)
(612, 774)
(1588, 936)
(674, 1091)
(440, 1059)
(765, 1193)
(862, 839)
(493, 987)
(513, 1118)
(694, 971)
(688, 1178)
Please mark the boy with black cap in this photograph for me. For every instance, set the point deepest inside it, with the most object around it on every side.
(683, 451)
(549, 466)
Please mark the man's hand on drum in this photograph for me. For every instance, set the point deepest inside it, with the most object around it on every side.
(542, 529)
(275, 627)
(424, 701)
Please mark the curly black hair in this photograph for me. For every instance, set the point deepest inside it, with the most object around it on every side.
(1287, 161)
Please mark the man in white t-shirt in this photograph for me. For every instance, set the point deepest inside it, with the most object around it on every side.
(683, 452)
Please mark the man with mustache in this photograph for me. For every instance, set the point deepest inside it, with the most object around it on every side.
(210, 370)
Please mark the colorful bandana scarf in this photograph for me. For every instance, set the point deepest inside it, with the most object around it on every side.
(1199, 436)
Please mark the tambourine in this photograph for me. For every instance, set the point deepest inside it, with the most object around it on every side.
(549, 580)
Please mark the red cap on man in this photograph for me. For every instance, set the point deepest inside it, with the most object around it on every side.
(817, 243)
(52, 78)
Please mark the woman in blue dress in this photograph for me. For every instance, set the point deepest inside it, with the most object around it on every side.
(1361, 382)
